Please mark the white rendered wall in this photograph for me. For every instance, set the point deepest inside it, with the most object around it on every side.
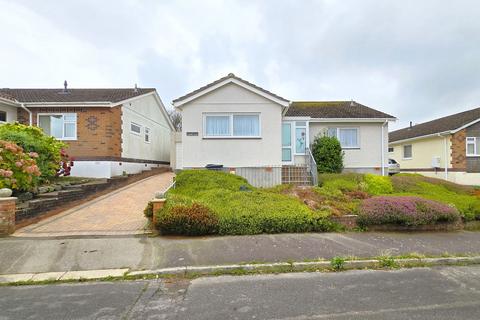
(145, 112)
(235, 152)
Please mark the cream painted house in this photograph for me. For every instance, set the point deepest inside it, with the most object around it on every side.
(265, 138)
(446, 148)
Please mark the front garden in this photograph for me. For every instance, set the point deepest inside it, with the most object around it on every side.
(209, 202)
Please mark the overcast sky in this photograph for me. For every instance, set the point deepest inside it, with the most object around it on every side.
(416, 60)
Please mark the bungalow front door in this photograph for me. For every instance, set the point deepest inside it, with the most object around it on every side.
(287, 143)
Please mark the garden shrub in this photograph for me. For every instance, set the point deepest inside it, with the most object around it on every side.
(404, 210)
(32, 139)
(376, 184)
(18, 170)
(148, 211)
(240, 208)
(192, 220)
(439, 190)
(328, 154)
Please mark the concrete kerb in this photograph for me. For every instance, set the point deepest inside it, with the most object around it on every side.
(31, 278)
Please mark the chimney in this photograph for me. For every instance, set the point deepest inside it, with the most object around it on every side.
(65, 84)
(135, 89)
(352, 103)
(411, 124)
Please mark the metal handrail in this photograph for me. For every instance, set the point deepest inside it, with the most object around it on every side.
(312, 166)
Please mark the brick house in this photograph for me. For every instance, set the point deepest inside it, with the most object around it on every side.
(447, 148)
(109, 131)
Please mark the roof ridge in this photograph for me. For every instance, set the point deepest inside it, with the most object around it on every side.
(437, 119)
(229, 76)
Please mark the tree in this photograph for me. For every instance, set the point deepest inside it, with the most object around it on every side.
(328, 154)
(176, 118)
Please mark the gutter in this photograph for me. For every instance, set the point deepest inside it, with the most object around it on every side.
(446, 153)
(421, 137)
(383, 147)
(22, 105)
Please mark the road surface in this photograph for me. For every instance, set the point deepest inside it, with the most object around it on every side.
(420, 293)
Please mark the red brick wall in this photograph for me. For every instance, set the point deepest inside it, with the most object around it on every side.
(99, 130)
(459, 159)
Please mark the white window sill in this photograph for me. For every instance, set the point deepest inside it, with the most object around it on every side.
(473, 155)
(407, 158)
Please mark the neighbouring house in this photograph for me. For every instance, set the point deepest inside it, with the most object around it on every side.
(265, 138)
(446, 148)
(110, 132)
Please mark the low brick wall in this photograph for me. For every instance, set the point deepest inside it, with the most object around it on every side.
(48, 204)
(7, 215)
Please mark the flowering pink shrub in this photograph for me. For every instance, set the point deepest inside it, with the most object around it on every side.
(18, 170)
(404, 210)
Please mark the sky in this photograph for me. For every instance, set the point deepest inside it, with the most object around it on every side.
(416, 60)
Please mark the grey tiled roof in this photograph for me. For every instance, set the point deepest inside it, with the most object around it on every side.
(444, 124)
(334, 109)
(74, 95)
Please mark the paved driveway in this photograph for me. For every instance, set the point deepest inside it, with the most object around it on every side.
(117, 213)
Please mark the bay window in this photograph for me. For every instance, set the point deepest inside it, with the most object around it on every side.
(348, 137)
(62, 126)
(234, 125)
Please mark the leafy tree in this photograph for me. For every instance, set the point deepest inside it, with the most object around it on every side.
(328, 154)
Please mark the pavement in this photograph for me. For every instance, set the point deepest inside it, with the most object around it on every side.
(35, 255)
(420, 293)
(117, 213)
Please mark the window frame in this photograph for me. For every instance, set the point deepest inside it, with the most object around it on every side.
(146, 133)
(337, 135)
(63, 114)
(294, 138)
(475, 151)
(6, 116)
(134, 132)
(231, 116)
(411, 152)
(391, 149)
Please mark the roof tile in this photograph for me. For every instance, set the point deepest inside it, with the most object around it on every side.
(444, 124)
(74, 95)
(334, 109)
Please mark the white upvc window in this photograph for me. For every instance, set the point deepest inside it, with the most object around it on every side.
(473, 146)
(231, 125)
(348, 137)
(135, 128)
(62, 126)
(407, 152)
(147, 135)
